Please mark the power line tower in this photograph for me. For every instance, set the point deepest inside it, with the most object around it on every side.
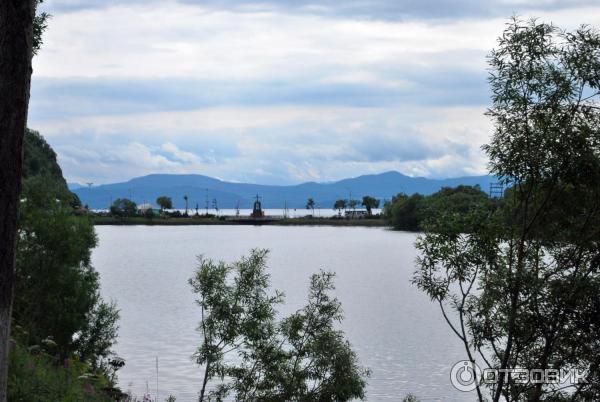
(496, 190)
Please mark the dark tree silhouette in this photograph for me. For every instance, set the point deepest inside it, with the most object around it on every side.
(16, 50)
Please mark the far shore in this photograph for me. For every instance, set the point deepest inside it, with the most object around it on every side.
(138, 220)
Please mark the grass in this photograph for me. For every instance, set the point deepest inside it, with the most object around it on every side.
(35, 376)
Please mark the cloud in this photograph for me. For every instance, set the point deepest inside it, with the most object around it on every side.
(373, 9)
(272, 92)
(199, 43)
(273, 144)
(179, 155)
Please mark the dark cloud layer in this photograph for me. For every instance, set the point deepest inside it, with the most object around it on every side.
(86, 97)
(373, 9)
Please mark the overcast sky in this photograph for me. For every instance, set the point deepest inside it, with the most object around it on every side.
(273, 91)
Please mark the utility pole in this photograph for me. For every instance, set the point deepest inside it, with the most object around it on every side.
(349, 199)
(89, 184)
(206, 201)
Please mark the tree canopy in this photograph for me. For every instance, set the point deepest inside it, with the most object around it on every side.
(57, 289)
(523, 282)
(302, 357)
(339, 205)
(310, 204)
(370, 203)
(413, 212)
(165, 202)
(123, 208)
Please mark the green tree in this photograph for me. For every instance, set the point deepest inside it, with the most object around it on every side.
(41, 170)
(404, 212)
(164, 202)
(123, 208)
(149, 214)
(457, 201)
(302, 357)
(339, 205)
(310, 204)
(57, 295)
(460, 199)
(98, 335)
(369, 203)
(57, 289)
(524, 281)
(411, 213)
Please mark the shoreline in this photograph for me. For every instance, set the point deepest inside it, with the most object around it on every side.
(366, 222)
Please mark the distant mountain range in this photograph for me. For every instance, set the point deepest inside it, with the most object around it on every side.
(199, 188)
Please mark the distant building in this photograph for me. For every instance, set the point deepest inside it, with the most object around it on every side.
(356, 214)
(144, 207)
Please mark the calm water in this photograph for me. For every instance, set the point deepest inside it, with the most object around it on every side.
(397, 332)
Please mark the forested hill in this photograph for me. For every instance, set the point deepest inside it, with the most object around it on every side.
(41, 172)
(227, 194)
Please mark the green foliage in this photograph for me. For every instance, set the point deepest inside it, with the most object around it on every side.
(320, 364)
(417, 211)
(310, 204)
(97, 336)
(123, 208)
(57, 296)
(149, 213)
(339, 205)
(35, 376)
(369, 203)
(302, 357)
(42, 176)
(56, 286)
(57, 289)
(164, 202)
(40, 24)
(404, 212)
(524, 281)
(460, 199)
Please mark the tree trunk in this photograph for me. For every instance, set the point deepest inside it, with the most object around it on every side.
(204, 382)
(16, 39)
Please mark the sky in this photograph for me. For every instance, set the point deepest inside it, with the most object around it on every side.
(273, 92)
